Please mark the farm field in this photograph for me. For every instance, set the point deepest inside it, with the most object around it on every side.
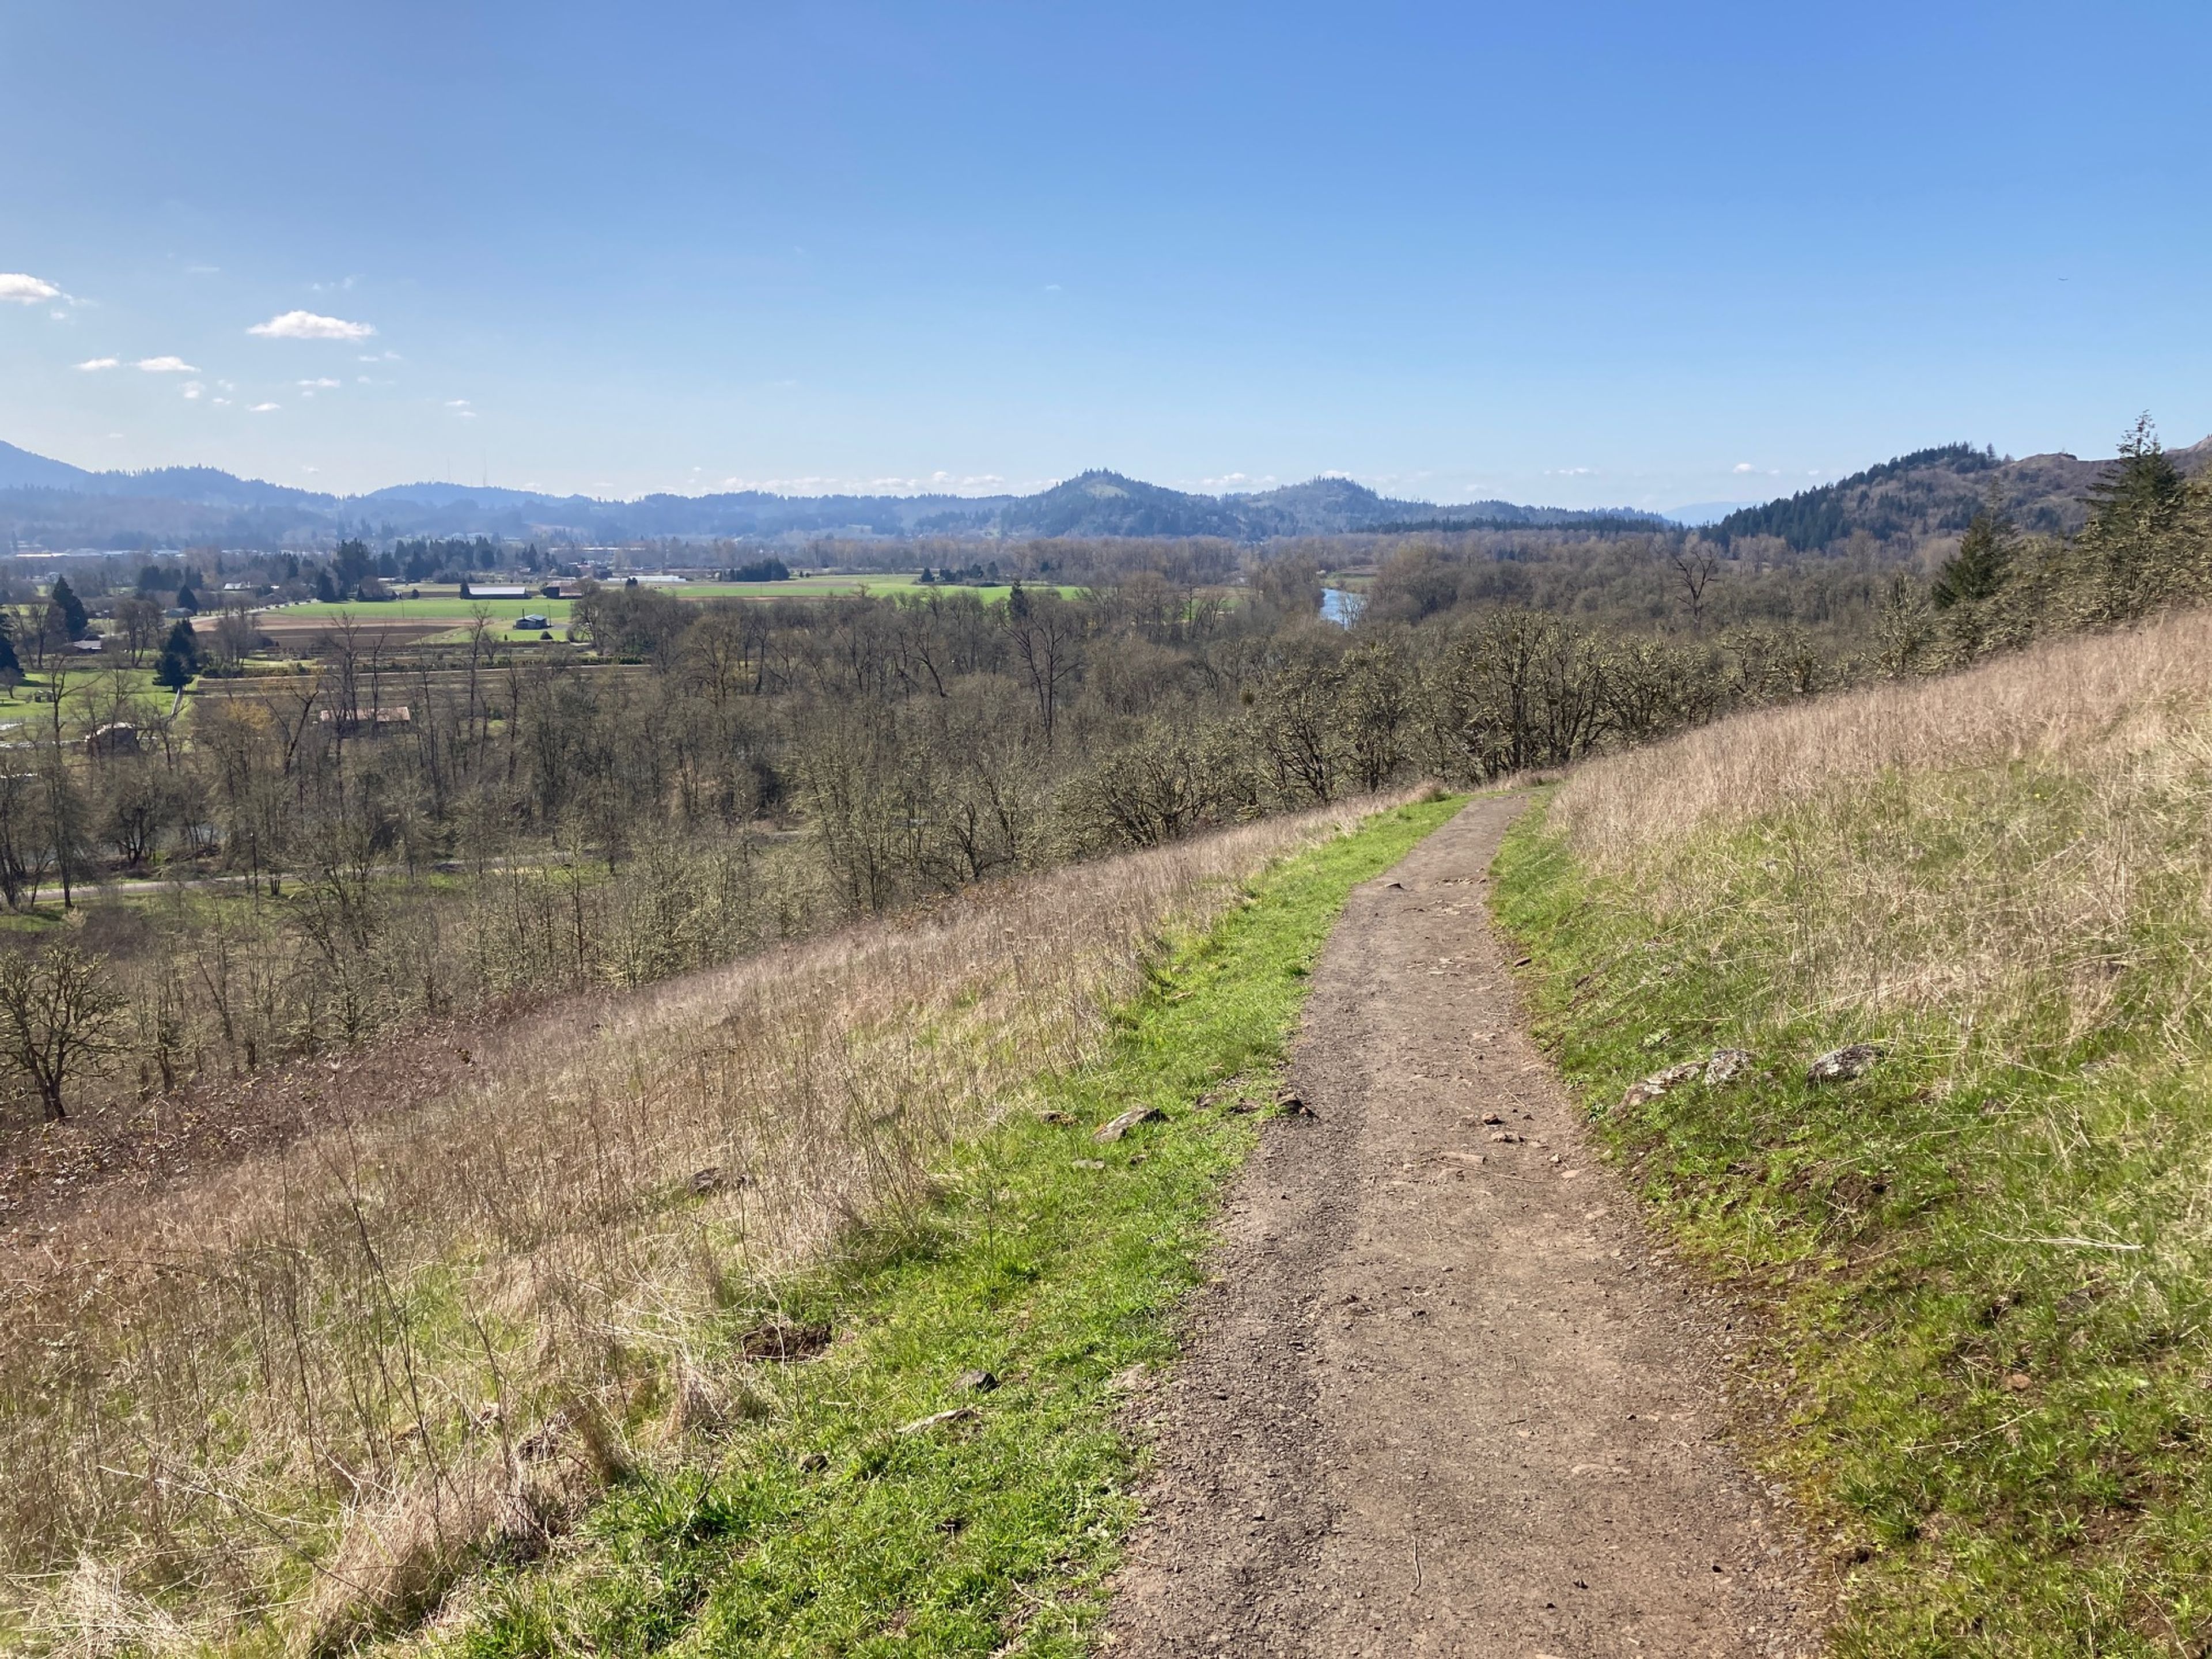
(90, 686)
(419, 618)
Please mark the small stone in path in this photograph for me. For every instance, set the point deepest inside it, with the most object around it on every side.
(941, 1420)
(1841, 1064)
(1289, 1105)
(1725, 1065)
(1491, 1117)
(1129, 1120)
(1659, 1083)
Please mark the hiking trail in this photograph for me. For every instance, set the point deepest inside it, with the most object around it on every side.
(1440, 1397)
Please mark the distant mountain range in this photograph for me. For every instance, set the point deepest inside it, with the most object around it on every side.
(1930, 493)
(58, 504)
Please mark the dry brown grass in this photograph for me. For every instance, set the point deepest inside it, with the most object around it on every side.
(328, 1373)
(2022, 847)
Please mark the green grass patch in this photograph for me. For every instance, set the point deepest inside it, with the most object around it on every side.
(1983, 1266)
(1053, 1263)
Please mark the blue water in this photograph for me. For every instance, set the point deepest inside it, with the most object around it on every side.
(1342, 606)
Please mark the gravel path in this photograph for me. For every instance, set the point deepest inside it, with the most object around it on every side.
(1441, 1399)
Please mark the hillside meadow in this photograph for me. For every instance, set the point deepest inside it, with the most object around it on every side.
(296, 1398)
(1980, 1269)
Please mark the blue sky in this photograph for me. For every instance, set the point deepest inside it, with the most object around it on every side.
(1584, 255)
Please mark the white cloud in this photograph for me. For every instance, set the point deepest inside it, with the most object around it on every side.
(92, 365)
(1744, 466)
(165, 365)
(456, 403)
(263, 409)
(193, 388)
(220, 402)
(323, 385)
(309, 325)
(25, 289)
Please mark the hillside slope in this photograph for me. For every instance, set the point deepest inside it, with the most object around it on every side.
(1935, 492)
(1979, 1257)
(318, 1384)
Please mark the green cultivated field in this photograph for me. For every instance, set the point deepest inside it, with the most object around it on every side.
(445, 604)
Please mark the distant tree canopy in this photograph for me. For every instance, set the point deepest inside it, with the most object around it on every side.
(65, 613)
(760, 570)
(181, 657)
(1815, 518)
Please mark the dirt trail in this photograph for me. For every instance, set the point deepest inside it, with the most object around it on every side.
(1440, 1399)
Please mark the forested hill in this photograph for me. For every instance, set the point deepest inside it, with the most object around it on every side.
(1934, 492)
(63, 505)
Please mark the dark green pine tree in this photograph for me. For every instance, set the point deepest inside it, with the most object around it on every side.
(66, 617)
(2139, 492)
(1984, 560)
(181, 657)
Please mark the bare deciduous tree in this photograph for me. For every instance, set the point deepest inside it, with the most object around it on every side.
(58, 1019)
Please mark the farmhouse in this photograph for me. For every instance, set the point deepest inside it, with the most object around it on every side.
(368, 722)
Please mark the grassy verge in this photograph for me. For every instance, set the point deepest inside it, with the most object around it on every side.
(1984, 1264)
(829, 1523)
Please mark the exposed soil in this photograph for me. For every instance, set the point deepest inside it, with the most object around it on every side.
(1441, 1397)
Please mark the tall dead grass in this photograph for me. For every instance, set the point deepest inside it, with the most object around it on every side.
(336, 1371)
(2023, 848)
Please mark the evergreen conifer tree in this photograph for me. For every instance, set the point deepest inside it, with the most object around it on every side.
(2141, 492)
(181, 657)
(1984, 560)
(68, 619)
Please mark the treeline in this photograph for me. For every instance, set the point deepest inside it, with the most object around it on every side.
(2147, 547)
(388, 839)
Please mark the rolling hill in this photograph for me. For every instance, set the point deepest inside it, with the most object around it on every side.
(1934, 492)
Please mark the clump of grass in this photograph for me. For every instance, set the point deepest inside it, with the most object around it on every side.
(1987, 1264)
(220, 1394)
